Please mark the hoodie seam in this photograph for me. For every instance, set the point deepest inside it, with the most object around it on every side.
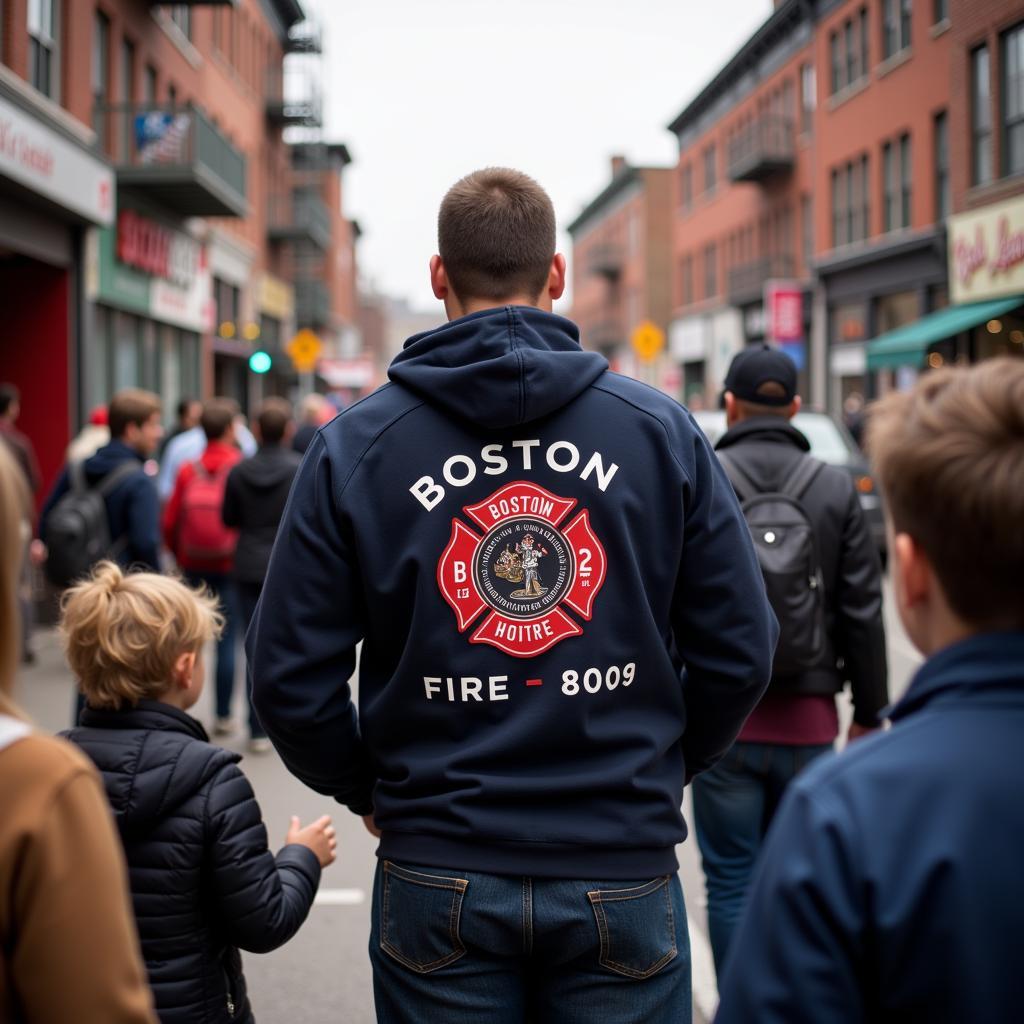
(373, 440)
(657, 419)
(514, 345)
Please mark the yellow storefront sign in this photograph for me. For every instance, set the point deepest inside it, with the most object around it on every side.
(986, 252)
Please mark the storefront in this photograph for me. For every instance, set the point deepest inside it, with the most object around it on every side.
(703, 346)
(151, 304)
(276, 301)
(53, 188)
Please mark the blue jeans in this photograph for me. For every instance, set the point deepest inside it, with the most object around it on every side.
(248, 596)
(733, 805)
(461, 947)
(223, 588)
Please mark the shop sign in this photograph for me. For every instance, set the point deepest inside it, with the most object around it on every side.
(688, 339)
(276, 297)
(986, 252)
(784, 303)
(156, 250)
(46, 163)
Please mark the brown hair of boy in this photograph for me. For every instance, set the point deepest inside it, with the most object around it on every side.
(132, 405)
(218, 415)
(496, 235)
(949, 455)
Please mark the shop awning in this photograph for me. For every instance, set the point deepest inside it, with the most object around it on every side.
(906, 345)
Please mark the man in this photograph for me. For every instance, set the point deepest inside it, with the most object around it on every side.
(202, 545)
(187, 411)
(20, 445)
(190, 445)
(889, 889)
(523, 760)
(254, 499)
(133, 512)
(797, 719)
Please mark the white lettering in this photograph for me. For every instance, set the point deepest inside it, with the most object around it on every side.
(426, 492)
(563, 467)
(471, 687)
(432, 684)
(466, 461)
(596, 464)
(459, 569)
(497, 687)
(526, 446)
(496, 464)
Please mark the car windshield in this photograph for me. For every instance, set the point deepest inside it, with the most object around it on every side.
(827, 440)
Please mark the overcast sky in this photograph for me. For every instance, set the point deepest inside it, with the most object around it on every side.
(424, 91)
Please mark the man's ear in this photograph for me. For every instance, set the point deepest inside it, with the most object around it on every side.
(556, 277)
(913, 572)
(182, 670)
(438, 278)
(795, 406)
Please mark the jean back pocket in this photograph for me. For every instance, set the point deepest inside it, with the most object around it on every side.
(419, 917)
(636, 928)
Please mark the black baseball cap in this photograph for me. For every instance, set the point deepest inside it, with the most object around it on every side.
(760, 365)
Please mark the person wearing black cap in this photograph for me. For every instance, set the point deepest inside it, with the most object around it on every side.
(763, 453)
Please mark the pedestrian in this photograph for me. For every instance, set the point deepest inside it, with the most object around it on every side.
(202, 545)
(187, 413)
(92, 437)
(827, 595)
(314, 412)
(68, 944)
(132, 521)
(889, 889)
(189, 446)
(19, 443)
(254, 499)
(202, 879)
(520, 749)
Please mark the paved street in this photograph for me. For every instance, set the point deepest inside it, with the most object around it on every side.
(323, 974)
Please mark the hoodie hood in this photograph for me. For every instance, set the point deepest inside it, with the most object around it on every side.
(152, 758)
(270, 468)
(499, 367)
(109, 457)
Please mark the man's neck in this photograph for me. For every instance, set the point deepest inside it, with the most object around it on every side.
(459, 309)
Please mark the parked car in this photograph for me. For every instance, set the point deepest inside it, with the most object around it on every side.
(831, 442)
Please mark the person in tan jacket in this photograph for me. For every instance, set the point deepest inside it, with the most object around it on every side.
(68, 946)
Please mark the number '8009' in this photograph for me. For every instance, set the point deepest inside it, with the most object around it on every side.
(594, 680)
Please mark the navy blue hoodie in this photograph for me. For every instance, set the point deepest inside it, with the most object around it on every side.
(561, 611)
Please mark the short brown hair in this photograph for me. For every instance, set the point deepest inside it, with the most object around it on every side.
(274, 416)
(496, 235)
(950, 459)
(132, 405)
(770, 389)
(123, 633)
(218, 415)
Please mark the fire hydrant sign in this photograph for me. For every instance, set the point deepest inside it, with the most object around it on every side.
(305, 349)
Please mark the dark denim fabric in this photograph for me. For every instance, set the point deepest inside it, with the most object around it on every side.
(733, 805)
(465, 947)
(223, 587)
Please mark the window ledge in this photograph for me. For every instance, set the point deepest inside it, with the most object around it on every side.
(897, 60)
(847, 93)
(998, 188)
(940, 28)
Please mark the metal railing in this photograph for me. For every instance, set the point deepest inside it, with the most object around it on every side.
(745, 281)
(763, 148)
(312, 303)
(292, 97)
(297, 216)
(605, 260)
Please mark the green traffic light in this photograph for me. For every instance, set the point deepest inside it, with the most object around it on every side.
(259, 362)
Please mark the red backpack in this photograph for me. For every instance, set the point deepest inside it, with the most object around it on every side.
(202, 535)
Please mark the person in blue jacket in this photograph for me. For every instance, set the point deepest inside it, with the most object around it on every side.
(889, 889)
(527, 721)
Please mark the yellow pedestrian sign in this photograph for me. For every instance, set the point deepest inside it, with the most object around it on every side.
(305, 349)
(647, 340)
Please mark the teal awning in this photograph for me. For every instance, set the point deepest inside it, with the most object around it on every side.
(906, 345)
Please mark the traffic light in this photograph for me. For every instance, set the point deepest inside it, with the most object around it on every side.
(259, 362)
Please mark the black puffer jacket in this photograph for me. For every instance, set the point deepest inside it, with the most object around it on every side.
(202, 878)
(254, 499)
(767, 448)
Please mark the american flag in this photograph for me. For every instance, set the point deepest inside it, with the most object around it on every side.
(161, 138)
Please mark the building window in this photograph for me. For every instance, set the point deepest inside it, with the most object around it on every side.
(710, 271)
(865, 53)
(227, 299)
(808, 96)
(895, 26)
(100, 76)
(807, 231)
(889, 187)
(942, 193)
(1013, 101)
(852, 55)
(838, 214)
(710, 169)
(687, 186)
(906, 181)
(849, 52)
(42, 44)
(981, 117)
(836, 62)
(940, 11)
(127, 70)
(865, 193)
(896, 175)
(686, 280)
(149, 84)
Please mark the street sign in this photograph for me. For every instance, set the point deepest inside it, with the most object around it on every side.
(305, 350)
(647, 340)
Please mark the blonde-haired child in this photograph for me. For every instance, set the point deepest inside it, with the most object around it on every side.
(203, 880)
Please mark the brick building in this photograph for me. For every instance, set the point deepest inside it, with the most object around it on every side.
(166, 210)
(620, 260)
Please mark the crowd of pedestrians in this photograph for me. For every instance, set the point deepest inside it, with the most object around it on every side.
(570, 607)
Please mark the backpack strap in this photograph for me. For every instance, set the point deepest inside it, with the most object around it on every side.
(804, 474)
(108, 483)
(76, 477)
(741, 481)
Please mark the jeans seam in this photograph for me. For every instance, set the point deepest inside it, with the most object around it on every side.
(527, 916)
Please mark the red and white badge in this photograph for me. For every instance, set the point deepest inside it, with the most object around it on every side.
(523, 569)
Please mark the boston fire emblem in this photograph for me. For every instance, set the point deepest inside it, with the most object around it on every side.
(524, 569)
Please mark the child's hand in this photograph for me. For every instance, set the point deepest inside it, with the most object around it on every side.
(318, 837)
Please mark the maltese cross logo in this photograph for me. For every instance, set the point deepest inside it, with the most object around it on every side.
(523, 568)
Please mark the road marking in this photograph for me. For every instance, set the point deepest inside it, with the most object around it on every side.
(339, 898)
(702, 969)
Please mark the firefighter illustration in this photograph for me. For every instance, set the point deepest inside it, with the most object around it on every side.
(529, 557)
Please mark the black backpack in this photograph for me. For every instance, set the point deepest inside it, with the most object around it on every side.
(787, 550)
(77, 528)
